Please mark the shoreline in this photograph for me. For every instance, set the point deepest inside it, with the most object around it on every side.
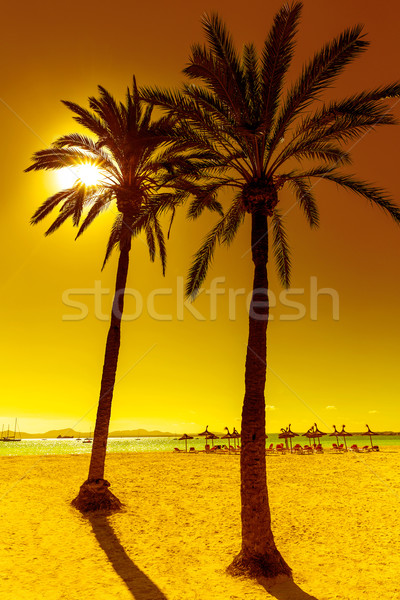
(335, 523)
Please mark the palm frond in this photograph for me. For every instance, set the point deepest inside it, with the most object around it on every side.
(66, 212)
(107, 109)
(52, 159)
(87, 119)
(318, 75)
(305, 197)
(159, 235)
(277, 56)
(376, 196)
(234, 217)
(253, 83)
(204, 197)
(49, 204)
(281, 248)
(151, 244)
(203, 259)
(101, 202)
(312, 148)
(220, 67)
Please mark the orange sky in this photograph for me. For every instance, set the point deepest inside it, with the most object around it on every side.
(182, 374)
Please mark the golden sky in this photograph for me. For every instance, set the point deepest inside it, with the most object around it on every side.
(186, 372)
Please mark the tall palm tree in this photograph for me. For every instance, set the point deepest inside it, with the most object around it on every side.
(137, 167)
(267, 139)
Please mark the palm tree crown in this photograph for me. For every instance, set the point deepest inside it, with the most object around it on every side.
(133, 155)
(242, 116)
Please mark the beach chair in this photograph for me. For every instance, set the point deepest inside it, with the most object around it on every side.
(280, 448)
(177, 450)
(298, 449)
(319, 449)
(307, 449)
(335, 447)
(366, 449)
(192, 449)
(375, 448)
(270, 449)
(355, 448)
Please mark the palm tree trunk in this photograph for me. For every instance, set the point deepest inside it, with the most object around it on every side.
(259, 555)
(94, 494)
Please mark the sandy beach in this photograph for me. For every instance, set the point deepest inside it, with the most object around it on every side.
(336, 520)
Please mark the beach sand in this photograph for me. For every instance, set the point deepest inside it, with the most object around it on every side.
(336, 520)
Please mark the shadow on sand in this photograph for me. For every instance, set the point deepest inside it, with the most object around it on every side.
(139, 585)
(285, 589)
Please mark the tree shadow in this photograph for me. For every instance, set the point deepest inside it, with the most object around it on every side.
(137, 582)
(284, 588)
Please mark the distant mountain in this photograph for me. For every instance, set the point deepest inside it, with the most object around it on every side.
(54, 433)
(141, 433)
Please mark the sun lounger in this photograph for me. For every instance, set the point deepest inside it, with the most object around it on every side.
(375, 448)
(177, 450)
(270, 449)
(307, 449)
(192, 449)
(355, 448)
(297, 449)
(319, 449)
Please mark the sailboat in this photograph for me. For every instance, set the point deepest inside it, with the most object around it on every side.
(10, 437)
(89, 439)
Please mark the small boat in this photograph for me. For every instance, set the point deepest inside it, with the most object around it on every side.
(9, 437)
(88, 440)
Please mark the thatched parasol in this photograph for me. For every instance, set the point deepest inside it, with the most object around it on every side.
(236, 436)
(310, 434)
(211, 436)
(227, 436)
(344, 434)
(317, 433)
(287, 434)
(370, 433)
(336, 434)
(186, 437)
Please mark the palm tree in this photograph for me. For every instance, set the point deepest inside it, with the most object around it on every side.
(267, 139)
(137, 166)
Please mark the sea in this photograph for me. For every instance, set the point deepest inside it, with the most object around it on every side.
(40, 447)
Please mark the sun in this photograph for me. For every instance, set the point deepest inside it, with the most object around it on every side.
(86, 173)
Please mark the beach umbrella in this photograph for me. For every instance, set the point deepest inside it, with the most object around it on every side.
(227, 436)
(205, 432)
(344, 434)
(317, 433)
(186, 437)
(290, 434)
(286, 435)
(211, 436)
(336, 434)
(370, 433)
(310, 434)
(236, 436)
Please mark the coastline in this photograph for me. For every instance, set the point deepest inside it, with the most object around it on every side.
(335, 519)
